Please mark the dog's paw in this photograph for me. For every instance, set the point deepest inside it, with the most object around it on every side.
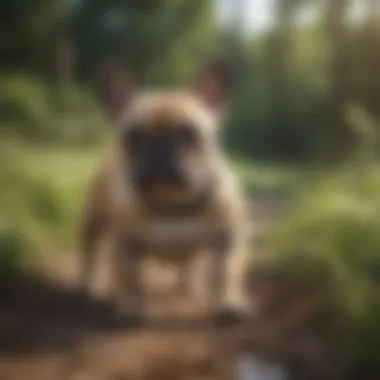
(83, 287)
(128, 314)
(226, 317)
(232, 313)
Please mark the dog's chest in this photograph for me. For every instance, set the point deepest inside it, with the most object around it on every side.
(176, 233)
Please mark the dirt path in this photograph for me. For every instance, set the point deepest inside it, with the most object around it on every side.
(49, 331)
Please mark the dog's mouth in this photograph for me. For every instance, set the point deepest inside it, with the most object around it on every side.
(170, 198)
(166, 192)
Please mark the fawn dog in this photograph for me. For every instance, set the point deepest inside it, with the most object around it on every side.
(167, 188)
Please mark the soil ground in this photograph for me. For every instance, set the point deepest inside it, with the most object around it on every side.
(50, 331)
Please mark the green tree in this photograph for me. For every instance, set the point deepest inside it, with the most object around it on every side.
(25, 28)
(141, 36)
(280, 46)
(338, 137)
(370, 57)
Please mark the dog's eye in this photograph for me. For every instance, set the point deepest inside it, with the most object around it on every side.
(188, 135)
(135, 139)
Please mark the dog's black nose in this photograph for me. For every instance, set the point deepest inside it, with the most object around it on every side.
(150, 173)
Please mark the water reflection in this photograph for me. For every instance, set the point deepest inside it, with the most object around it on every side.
(250, 367)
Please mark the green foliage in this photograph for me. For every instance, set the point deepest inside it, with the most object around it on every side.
(14, 248)
(268, 179)
(334, 235)
(24, 105)
(150, 40)
(16, 239)
(41, 200)
(254, 128)
(25, 29)
(285, 100)
(30, 109)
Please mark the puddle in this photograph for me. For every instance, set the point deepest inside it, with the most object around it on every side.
(250, 367)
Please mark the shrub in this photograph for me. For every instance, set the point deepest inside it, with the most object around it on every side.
(14, 247)
(334, 235)
(34, 214)
(32, 110)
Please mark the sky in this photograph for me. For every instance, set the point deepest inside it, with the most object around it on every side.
(257, 17)
(259, 13)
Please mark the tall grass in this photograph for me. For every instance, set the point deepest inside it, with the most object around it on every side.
(41, 198)
(33, 110)
(333, 234)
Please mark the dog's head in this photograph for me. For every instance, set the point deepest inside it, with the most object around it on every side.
(169, 140)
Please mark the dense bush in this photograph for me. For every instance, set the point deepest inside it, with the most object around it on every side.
(334, 235)
(14, 247)
(32, 110)
(39, 204)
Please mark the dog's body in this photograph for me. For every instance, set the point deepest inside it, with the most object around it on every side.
(173, 203)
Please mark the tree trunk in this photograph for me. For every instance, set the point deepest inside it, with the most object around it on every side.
(339, 139)
(372, 46)
(280, 45)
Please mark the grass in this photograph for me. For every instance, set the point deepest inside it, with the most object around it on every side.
(42, 192)
(267, 179)
(333, 235)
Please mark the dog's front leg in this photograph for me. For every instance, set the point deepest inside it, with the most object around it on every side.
(217, 272)
(127, 285)
(229, 263)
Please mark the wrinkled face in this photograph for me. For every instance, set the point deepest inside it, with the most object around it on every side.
(168, 139)
(169, 143)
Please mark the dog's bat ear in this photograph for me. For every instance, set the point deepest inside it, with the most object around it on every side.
(115, 89)
(215, 83)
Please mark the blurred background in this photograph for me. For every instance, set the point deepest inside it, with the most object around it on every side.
(303, 134)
